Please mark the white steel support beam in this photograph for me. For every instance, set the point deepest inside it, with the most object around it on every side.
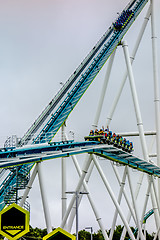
(150, 181)
(156, 88)
(146, 19)
(156, 194)
(156, 83)
(138, 186)
(44, 199)
(136, 134)
(156, 235)
(138, 114)
(63, 177)
(135, 101)
(124, 192)
(135, 206)
(156, 212)
(73, 213)
(137, 111)
(113, 197)
(86, 189)
(79, 185)
(119, 201)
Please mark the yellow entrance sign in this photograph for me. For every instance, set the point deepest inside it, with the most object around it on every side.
(59, 234)
(14, 222)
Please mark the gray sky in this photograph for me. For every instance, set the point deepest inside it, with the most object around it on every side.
(41, 44)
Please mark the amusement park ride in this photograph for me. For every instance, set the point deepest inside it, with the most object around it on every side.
(24, 159)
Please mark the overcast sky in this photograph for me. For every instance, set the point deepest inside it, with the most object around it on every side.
(41, 44)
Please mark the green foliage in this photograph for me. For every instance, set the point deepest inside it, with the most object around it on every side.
(117, 232)
(98, 235)
(84, 235)
(37, 233)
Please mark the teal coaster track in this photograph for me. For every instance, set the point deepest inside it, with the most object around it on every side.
(36, 153)
(58, 110)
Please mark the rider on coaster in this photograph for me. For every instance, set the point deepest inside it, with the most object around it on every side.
(96, 132)
(101, 132)
(91, 133)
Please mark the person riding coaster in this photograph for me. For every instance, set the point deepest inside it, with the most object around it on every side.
(116, 141)
(106, 136)
(100, 132)
(91, 133)
(96, 132)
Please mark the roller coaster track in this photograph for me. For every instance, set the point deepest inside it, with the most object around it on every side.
(66, 99)
(36, 153)
(57, 111)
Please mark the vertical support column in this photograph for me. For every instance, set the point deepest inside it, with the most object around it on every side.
(135, 100)
(156, 194)
(44, 199)
(155, 76)
(156, 85)
(137, 111)
(77, 223)
(63, 177)
(16, 185)
(156, 212)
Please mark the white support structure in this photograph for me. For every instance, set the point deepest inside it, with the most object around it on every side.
(156, 194)
(86, 189)
(95, 211)
(156, 88)
(124, 192)
(155, 77)
(119, 201)
(79, 185)
(156, 235)
(109, 189)
(113, 107)
(63, 177)
(135, 206)
(44, 199)
(150, 181)
(137, 111)
(135, 100)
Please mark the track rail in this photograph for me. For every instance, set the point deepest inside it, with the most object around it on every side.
(37, 154)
